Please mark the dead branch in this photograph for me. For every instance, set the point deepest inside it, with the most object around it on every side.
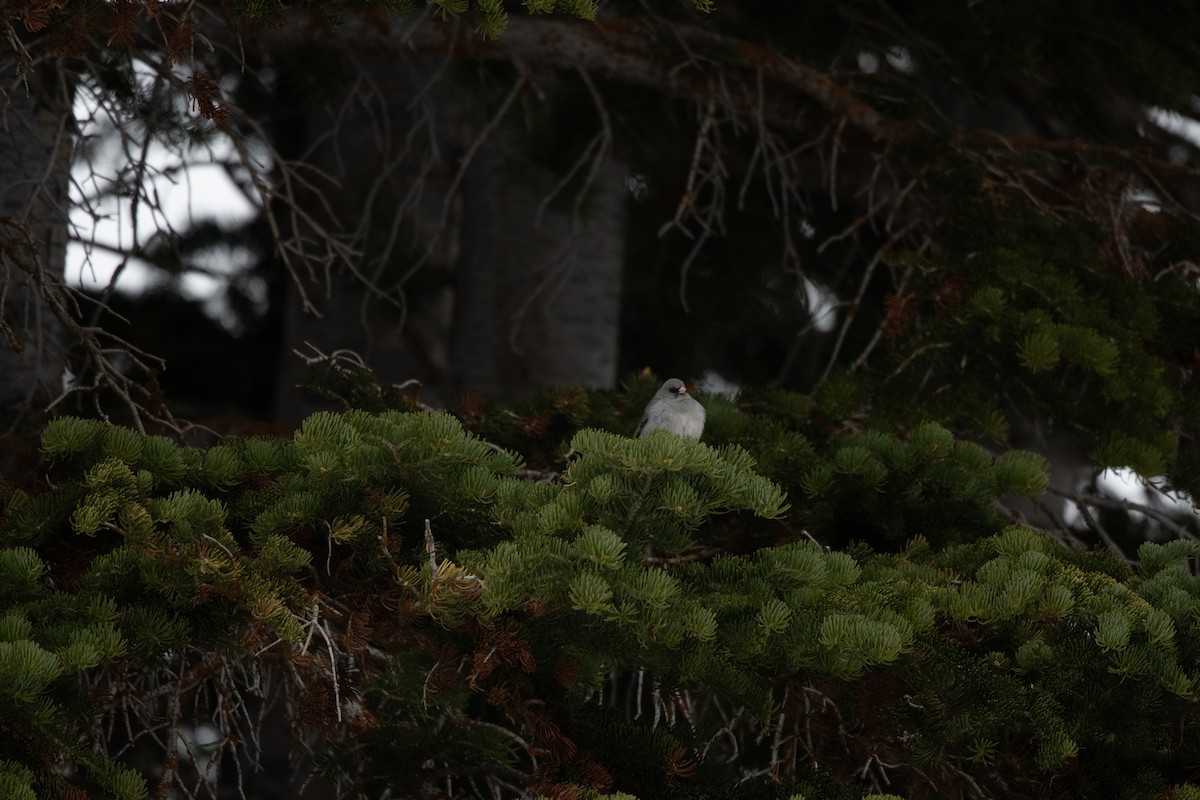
(637, 50)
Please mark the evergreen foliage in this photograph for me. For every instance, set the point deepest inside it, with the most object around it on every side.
(598, 631)
(1033, 322)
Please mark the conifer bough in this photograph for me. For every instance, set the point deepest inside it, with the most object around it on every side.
(602, 633)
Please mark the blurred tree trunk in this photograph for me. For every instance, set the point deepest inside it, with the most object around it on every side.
(35, 145)
(537, 299)
(460, 279)
(384, 202)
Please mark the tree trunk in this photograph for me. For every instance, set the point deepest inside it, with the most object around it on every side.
(497, 303)
(35, 150)
(389, 160)
(537, 301)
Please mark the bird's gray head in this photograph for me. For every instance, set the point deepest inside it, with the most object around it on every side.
(673, 388)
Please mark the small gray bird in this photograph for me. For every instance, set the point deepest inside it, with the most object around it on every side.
(673, 409)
